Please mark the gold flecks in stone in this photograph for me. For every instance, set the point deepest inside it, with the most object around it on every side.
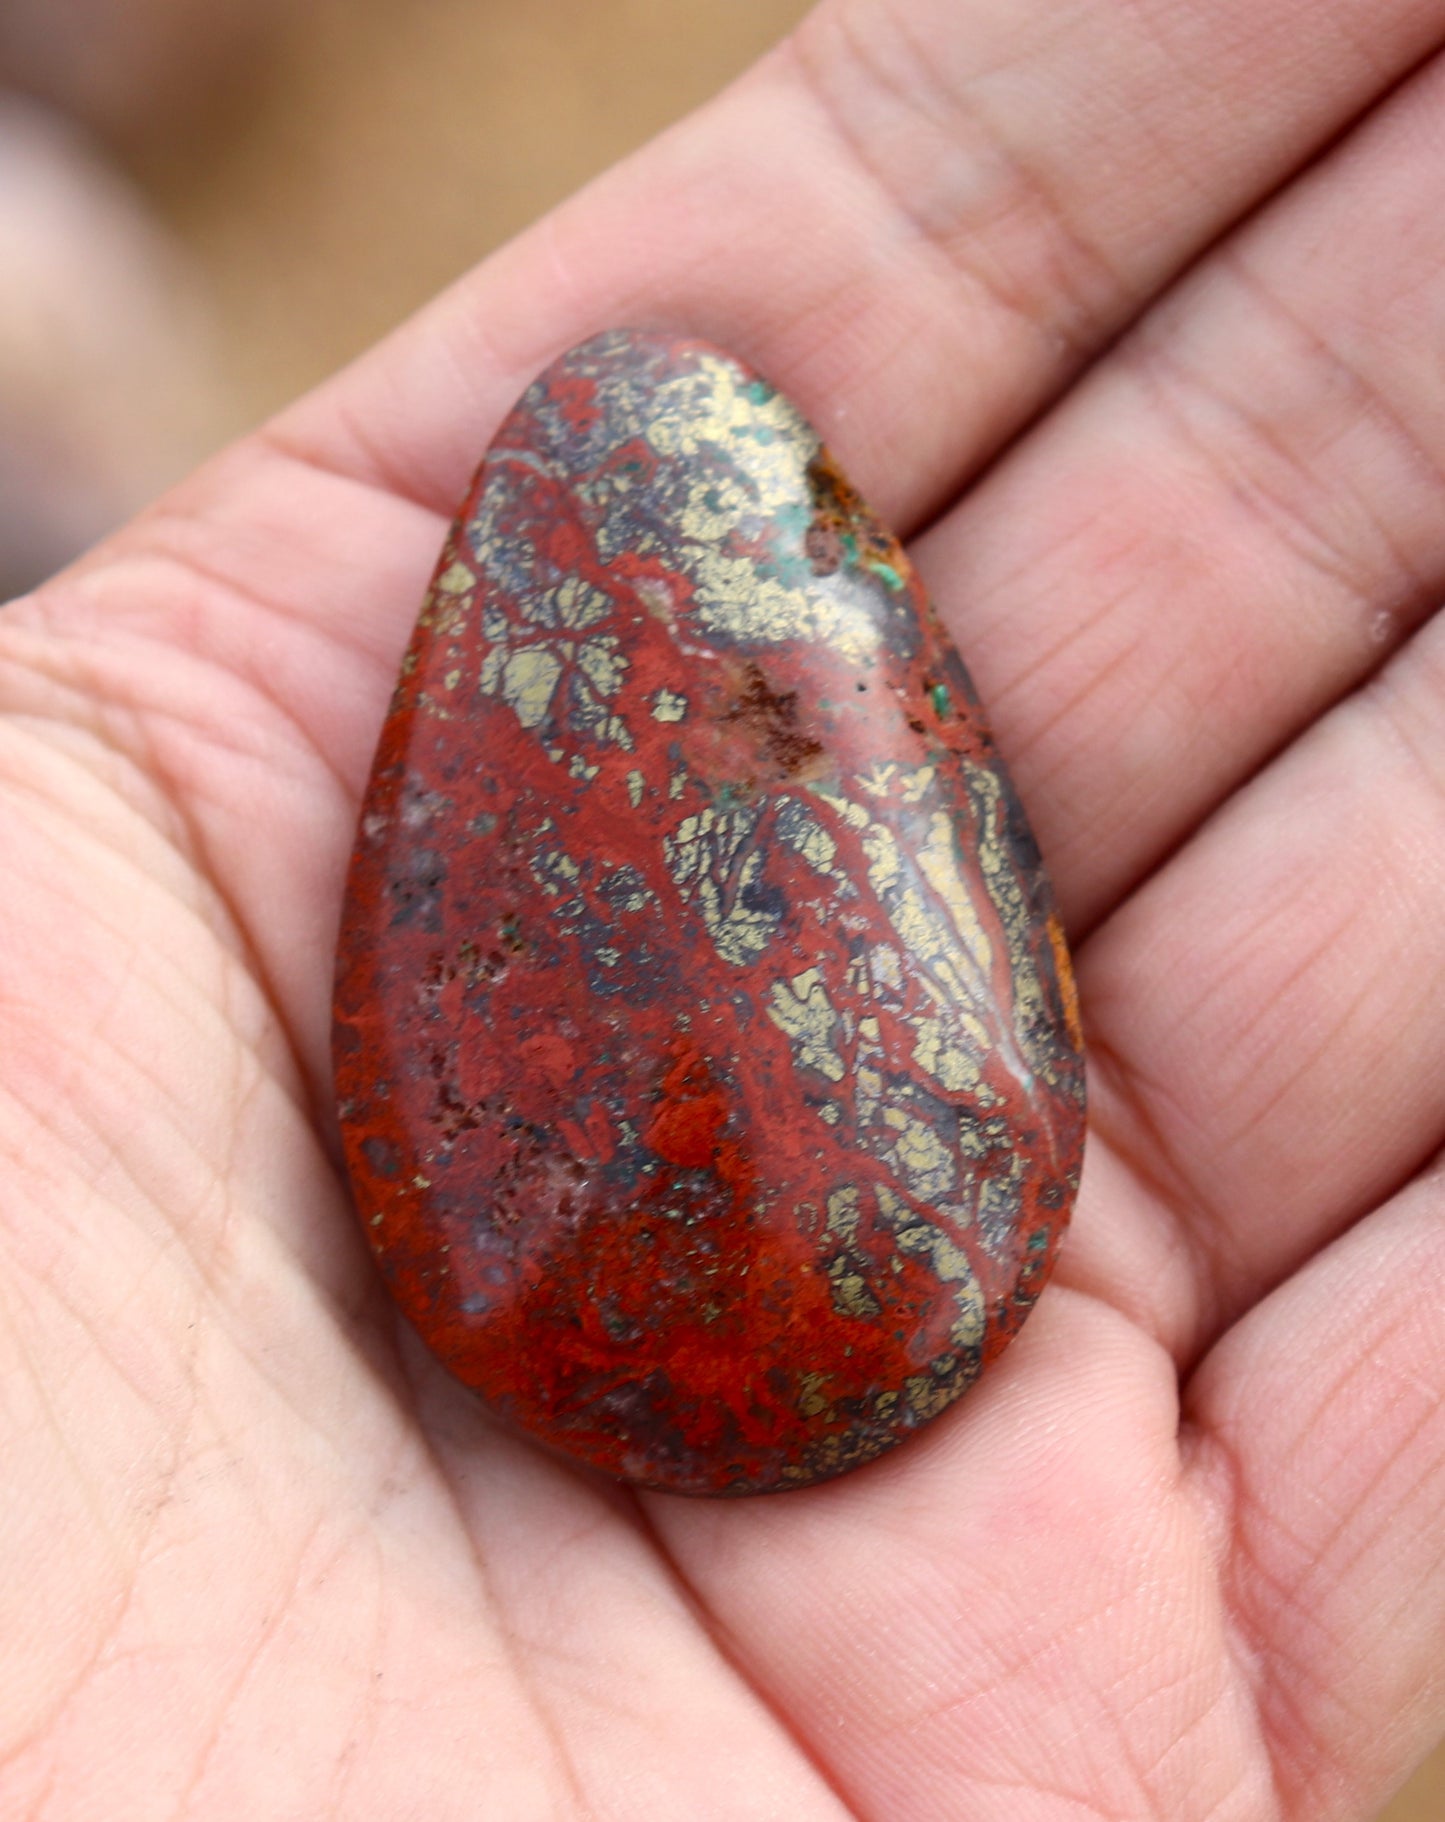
(843, 1213)
(812, 1399)
(715, 405)
(906, 784)
(1014, 912)
(951, 1066)
(952, 951)
(764, 451)
(555, 871)
(732, 600)
(852, 813)
(740, 933)
(869, 1094)
(949, 1261)
(951, 1265)
(928, 1396)
(807, 836)
(802, 1010)
(602, 664)
(885, 864)
(457, 579)
(625, 890)
(855, 976)
(527, 682)
(445, 616)
(887, 967)
(668, 706)
(712, 860)
(921, 1158)
(971, 1323)
(938, 862)
(998, 1201)
(851, 1295)
(576, 604)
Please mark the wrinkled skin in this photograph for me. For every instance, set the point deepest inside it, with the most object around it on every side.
(1180, 1556)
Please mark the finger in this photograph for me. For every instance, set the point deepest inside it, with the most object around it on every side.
(1229, 524)
(1319, 1446)
(1015, 1614)
(917, 220)
(1269, 1054)
(641, 1705)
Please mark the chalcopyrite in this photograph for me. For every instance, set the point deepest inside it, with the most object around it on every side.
(705, 1040)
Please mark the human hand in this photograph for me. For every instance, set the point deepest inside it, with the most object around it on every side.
(1179, 1555)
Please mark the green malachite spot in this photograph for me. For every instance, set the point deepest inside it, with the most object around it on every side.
(941, 702)
(888, 574)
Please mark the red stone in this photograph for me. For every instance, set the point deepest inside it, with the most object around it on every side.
(708, 1069)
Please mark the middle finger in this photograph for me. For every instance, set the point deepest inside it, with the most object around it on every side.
(1230, 523)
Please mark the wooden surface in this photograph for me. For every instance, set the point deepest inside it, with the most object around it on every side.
(1423, 1798)
(390, 145)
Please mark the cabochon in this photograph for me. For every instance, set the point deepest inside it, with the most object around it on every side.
(708, 1069)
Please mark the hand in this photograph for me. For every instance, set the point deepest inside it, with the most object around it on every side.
(1178, 1556)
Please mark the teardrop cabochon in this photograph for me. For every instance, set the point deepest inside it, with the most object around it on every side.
(709, 1072)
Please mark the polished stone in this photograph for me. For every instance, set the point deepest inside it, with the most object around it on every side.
(709, 1071)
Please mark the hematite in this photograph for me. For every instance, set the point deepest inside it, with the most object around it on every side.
(709, 1072)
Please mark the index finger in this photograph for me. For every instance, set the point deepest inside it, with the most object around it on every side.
(919, 219)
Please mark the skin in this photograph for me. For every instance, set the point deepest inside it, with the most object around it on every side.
(1129, 312)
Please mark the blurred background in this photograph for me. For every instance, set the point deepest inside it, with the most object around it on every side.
(207, 205)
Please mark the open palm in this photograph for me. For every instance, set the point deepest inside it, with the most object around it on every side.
(1181, 1555)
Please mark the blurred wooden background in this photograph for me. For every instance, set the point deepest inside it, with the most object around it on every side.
(389, 145)
(379, 148)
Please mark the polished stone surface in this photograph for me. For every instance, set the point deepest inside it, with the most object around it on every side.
(708, 1064)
